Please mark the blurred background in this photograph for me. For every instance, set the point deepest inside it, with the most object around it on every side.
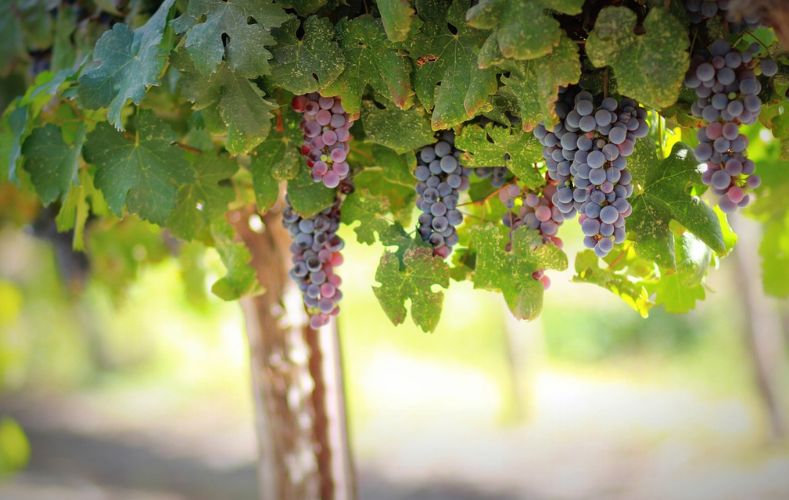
(142, 390)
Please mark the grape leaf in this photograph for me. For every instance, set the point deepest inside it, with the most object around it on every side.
(522, 30)
(371, 212)
(303, 7)
(308, 197)
(204, 199)
(510, 272)
(24, 25)
(651, 67)
(240, 279)
(143, 172)
(448, 80)
(412, 278)
(239, 102)
(402, 131)
(633, 293)
(679, 291)
(397, 16)
(373, 61)
(309, 63)
(535, 84)
(279, 156)
(494, 146)
(663, 196)
(388, 175)
(206, 22)
(51, 162)
(676, 296)
(125, 64)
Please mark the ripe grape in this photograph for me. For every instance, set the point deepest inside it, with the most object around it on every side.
(326, 134)
(440, 177)
(315, 253)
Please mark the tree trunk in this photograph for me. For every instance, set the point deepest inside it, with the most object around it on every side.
(296, 379)
(763, 327)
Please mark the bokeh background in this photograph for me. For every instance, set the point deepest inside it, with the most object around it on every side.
(131, 381)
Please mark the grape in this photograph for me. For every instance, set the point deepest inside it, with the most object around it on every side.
(727, 97)
(315, 252)
(326, 133)
(438, 200)
(587, 165)
(499, 176)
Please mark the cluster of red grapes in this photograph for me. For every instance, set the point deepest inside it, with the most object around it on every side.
(586, 154)
(701, 10)
(315, 251)
(440, 178)
(326, 134)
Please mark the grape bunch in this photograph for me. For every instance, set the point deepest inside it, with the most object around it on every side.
(326, 134)
(498, 175)
(586, 154)
(440, 178)
(315, 250)
(727, 96)
(536, 211)
(701, 10)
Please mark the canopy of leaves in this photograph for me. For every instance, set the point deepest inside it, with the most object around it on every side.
(398, 130)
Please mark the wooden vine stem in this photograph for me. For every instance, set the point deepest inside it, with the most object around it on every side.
(296, 378)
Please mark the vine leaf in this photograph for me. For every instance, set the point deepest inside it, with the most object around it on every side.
(493, 146)
(401, 131)
(370, 211)
(651, 67)
(374, 61)
(535, 84)
(679, 291)
(240, 103)
(522, 30)
(309, 63)
(397, 16)
(207, 22)
(308, 197)
(511, 272)
(205, 199)
(448, 80)
(240, 279)
(412, 279)
(388, 175)
(125, 64)
(303, 7)
(632, 292)
(143, 172)
(663, 196)
(51, 162)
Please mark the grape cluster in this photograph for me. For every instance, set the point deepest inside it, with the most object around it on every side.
(727, 95)
(536, 211)
(440, 178)
(498, 175)
(701, 10)
(326, 134)
(315, 250)
(586, 154)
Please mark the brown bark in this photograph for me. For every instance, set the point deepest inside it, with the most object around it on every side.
(302, 436)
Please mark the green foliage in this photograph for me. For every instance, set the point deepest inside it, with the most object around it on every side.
(153, 128)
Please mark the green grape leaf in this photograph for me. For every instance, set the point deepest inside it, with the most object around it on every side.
(240, 279)
(664, 196)
(412, 279)
(125, 63)
(143, 172)
(308, 197)
(651, 67)
(494, 146)
(239, 102)
(373, 61)
(303, 7)
(633, 293)
(207, 22)
(388, 175)
(279, 157)
(535, 84)
(676, 296)
(511, 272)
(371, 212)
(522, 30)
(448, 80)
(397, 17)
(679, 291)
(306, 64)
(205, 199)
(51, 163)
(401, 131)
(25, 25)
